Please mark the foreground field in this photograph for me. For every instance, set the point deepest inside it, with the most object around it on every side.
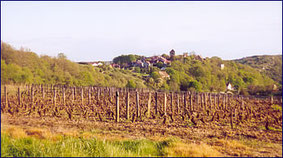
(26, 136)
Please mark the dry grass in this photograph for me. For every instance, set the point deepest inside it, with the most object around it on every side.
(192, 150)
(233, 144)
(15, 132)
(232, 147)
(18, 132)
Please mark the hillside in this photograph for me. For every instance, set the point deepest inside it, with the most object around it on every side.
(271, 65)
(186, 73)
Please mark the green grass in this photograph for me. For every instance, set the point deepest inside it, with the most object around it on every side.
(73, 146)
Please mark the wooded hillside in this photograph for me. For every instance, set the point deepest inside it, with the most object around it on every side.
(271, 65)
(189, 73)
(18, 66)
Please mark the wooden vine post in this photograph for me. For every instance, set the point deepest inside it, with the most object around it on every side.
(210, 101)
(172, 100)
(148, 105)
(231, 117)
(198, 99)
(82, 95)
(191, 102)
(215, 100)
(32, 97)
(218, 100)
(223, 105)
(89, 96)
(128, 105)
(6, 96)
(138, 104)
(242, 102)
(178, 103)
(201, 104)
(42, 91)
(19, 96)
(165, 102)
(110, 91)
(205, 101)
(156, 99)
(117, 106)
(229, 100)
(236, 113)
(64, 97)
(26, 88)
(54, 97)
(98, 93)
(73, 94)
(51, 86)
(185, 102)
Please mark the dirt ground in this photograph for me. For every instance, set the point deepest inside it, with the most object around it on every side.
(230, 142)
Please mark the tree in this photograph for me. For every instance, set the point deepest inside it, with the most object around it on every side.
(126, 59)
(4, 77)
(197, 71)
(27, 76)
(195, 85)
(86, 78)
(61, 56)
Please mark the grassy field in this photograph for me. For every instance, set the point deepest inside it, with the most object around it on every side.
(17, 142)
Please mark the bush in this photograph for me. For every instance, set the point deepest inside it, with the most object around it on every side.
(244, 92)
(191, 86)
(137, 69)
(131, 84)
(155, 75)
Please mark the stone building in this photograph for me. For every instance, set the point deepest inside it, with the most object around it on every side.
(172, 53)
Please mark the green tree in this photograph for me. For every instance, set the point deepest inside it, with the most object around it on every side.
(126, 59)
(4, 72)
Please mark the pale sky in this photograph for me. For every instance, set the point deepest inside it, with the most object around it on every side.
(91, 31)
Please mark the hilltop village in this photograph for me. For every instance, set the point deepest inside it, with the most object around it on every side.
(132, 62)
(161, 61)
(144, 63)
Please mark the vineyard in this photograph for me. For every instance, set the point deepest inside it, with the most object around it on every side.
(141, 105)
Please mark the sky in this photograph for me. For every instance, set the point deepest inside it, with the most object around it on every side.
(100, 31)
